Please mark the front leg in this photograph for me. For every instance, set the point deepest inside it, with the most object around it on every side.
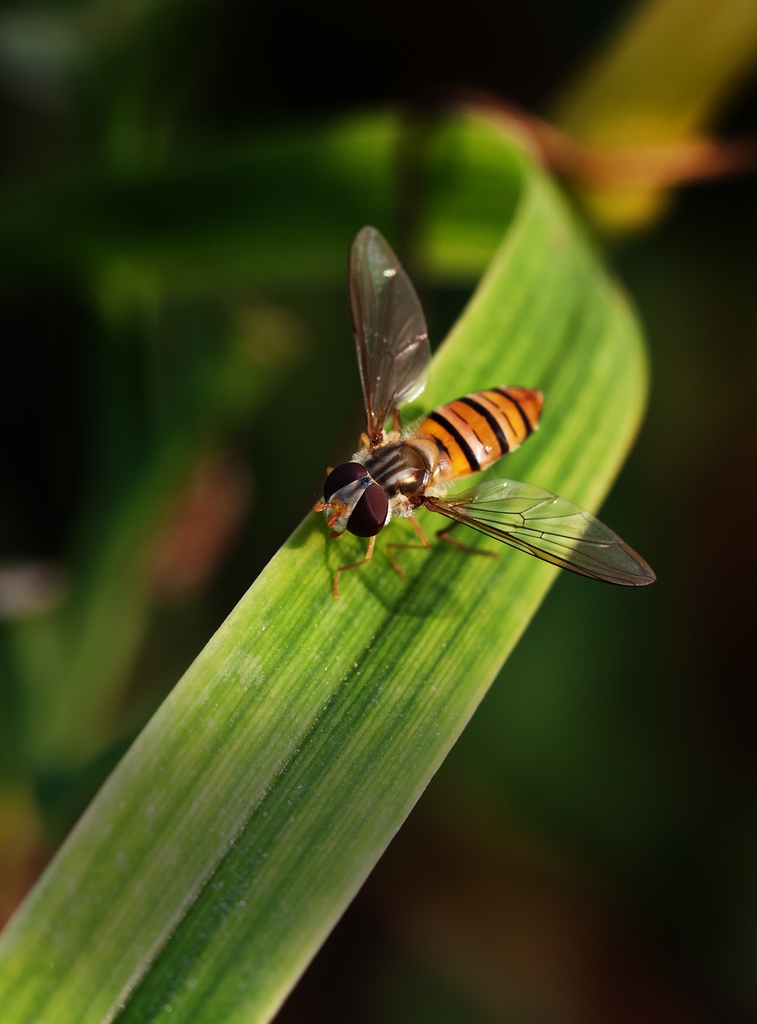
(353, 565)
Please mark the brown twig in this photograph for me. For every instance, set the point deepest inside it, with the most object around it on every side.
(640, 166)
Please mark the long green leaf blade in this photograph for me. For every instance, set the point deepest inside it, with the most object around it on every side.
(236, 830)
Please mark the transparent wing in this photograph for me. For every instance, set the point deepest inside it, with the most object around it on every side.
(551, 528)
(390, 330)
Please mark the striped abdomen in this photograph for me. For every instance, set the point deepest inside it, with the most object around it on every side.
(475, 431)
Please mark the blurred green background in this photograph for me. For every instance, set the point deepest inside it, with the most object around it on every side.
(178, 371)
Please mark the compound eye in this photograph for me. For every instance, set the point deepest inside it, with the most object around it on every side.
(369, 515)
(345, 474)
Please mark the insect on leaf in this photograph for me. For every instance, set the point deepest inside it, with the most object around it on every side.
(231, 837)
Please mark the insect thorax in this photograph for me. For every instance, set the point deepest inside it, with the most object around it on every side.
(400, 468)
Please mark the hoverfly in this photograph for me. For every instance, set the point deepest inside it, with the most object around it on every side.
(395, 472)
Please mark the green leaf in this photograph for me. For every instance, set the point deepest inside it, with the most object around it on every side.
(241, 823)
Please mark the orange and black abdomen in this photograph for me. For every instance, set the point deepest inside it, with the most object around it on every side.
(473, 432)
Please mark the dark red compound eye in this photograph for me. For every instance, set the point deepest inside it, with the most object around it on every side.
(369, 515)
(345, 474)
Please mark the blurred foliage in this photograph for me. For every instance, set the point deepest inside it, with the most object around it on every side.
(666, 75)
(149, 351)
(296, 743)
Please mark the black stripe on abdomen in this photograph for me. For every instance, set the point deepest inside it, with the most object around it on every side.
(496, 429)
(465, 448)
(519, 407)
(441, 446)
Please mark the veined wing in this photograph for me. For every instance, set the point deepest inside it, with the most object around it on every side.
(390, 330)
(551, 528)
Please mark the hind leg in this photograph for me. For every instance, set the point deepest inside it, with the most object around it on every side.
(443, 534)
(424, 543)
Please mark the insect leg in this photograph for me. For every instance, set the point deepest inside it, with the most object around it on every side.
(425, 543)
(443, 534)
(396, 425)
(353, 565)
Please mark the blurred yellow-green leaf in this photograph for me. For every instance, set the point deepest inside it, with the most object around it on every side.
(663, 78)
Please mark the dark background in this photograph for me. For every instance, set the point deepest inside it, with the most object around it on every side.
(587, 852)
